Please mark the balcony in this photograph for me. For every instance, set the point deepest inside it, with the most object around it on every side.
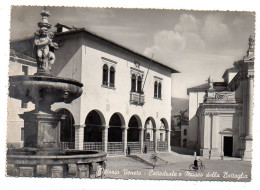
(136, 98)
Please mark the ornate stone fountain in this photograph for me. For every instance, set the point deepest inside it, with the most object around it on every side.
(41, 155)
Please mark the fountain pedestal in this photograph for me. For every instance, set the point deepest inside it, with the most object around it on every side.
(41, 130)
(41, 155)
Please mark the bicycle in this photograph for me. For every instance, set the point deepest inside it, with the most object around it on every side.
(200, 166)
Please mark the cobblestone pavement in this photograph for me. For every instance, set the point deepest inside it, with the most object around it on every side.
(122, 167)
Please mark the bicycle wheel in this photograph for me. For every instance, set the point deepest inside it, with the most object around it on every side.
(192, 167)
(202, 168)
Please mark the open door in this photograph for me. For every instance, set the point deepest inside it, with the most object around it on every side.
(228, 146)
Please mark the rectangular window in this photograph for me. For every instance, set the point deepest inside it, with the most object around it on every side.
(158, 88)
(23, 104)
(22, 134)
(25, 70)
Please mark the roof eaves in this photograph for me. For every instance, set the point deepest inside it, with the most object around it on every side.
(199, 88)
(78, 30)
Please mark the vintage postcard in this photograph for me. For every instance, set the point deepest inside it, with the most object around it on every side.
(116, 93)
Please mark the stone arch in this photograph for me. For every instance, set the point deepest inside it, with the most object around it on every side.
(149, 128)
(67, 129)
(162, 129)
(134, 126)
(164, 121)
(116, 123)
(94, 123)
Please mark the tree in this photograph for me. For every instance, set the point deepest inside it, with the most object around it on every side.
(181, 118)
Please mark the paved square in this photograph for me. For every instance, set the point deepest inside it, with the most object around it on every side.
(177, 168)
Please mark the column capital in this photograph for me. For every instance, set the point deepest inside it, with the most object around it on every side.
(124, 127)
(105, 127)
(250, 77)
(141, 129)
(80, 126)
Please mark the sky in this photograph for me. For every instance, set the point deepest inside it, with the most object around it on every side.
(199, 44)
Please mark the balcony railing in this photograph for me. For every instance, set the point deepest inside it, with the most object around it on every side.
(149, 145)
(67, 145)
(136, 98)
(115, 148)
(93, 146)
(162, 145)
(134, 147)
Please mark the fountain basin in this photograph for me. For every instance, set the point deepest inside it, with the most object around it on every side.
(44, 90)
(65, 163)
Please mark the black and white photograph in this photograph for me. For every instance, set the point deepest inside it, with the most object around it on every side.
(130, 93)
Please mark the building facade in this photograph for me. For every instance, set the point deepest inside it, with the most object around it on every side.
(221, 112)
(20, 64)
(126, 100)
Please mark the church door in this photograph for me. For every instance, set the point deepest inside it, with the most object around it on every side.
(228, 146)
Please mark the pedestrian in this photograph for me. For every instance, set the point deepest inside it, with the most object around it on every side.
(154, 160)
(195, 163)
(145, 149)
(128, 150)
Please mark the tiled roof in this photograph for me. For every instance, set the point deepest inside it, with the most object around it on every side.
(21, 55)
(198, 88)
(22, 58)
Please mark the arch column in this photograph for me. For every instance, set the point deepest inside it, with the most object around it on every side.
(141, 139)
(79, 136)
(124, 138)
(105, 137)
(168, 139)
(155, 131)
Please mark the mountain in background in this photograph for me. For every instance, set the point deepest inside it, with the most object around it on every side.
(179, 104)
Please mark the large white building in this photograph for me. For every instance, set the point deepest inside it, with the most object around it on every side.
(220, 113)
(126, 100)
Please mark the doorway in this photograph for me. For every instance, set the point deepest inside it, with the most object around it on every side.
(228, 146)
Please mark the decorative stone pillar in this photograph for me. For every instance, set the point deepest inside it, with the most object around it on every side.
(105, 137)
(141, 139)
(124, 138)
(213, 138)
(155, 139)
(79, 136)
(250, 105)
(249, 137)
(205, 141)
(168, 139)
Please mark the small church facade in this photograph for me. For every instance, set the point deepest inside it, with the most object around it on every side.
(126, 100)
(220, 118)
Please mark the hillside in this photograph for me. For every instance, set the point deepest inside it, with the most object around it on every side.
(179, 104)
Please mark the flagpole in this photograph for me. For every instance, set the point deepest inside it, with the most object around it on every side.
(147, 71)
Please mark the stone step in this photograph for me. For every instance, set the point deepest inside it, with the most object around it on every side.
(149, 159)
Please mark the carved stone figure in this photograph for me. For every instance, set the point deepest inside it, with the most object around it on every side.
(251, 42)
(44, 46)
(210, 82)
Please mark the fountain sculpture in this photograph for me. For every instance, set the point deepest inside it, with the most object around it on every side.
(41, 155)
